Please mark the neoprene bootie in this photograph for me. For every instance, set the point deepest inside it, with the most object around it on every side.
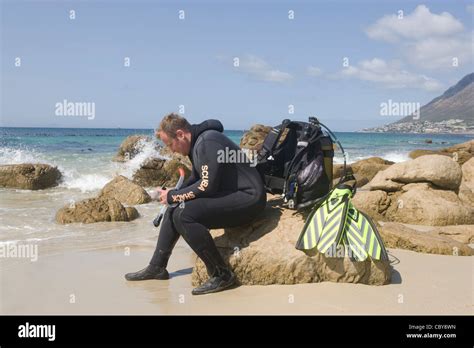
(155, 270)
(225, 279)
(149, 272)
(220, 276)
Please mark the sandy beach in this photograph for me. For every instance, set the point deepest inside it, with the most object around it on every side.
(91, 282)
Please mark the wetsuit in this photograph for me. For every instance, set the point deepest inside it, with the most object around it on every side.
(216, 195)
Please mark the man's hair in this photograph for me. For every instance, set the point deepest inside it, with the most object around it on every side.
(171, 123)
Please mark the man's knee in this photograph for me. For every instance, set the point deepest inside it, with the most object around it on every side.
(181, 217)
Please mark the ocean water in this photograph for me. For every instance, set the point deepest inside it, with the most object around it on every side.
(84, 156)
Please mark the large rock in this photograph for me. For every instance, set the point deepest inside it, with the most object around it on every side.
(467, 146)
(422, 191)
(468, 171)
(95, 210)
(254, 137)
(421, 152)
(369, 167)
(132, 213)
(417, 203)
(466, 190)
(460, 152)
(159, 169)
(420, 204)
(263, 253)
(441, 171)
(159, 172)
(130, 147)
(461, 233)
(364, 170)
(373, 203)
(396, 235)
(29, 176)
(125, 191)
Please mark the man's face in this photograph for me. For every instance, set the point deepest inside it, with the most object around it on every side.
(180, 143)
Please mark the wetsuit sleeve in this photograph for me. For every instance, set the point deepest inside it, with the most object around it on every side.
(190, 180)
(209, 170)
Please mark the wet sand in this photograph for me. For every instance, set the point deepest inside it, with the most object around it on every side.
(91, 282)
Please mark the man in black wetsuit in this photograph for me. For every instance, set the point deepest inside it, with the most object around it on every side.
(218, 194)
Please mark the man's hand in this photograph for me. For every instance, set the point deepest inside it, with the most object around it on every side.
(163, 195)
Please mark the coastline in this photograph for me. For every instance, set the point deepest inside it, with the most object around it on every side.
(229, 130)
(417, 133)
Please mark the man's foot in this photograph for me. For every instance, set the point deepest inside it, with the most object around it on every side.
(217, 283)
(150, 272)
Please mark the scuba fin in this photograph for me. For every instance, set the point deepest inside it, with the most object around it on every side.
(362, 236)
(334, 221)
(325, 223)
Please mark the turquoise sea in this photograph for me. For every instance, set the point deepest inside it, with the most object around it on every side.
(84, 153)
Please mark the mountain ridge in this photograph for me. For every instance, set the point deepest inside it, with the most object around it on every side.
(450, 112)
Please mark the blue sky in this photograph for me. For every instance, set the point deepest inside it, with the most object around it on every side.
(190, 62)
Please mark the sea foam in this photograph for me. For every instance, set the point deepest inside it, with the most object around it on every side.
(85, 182)
(20, 155)
(148, 150)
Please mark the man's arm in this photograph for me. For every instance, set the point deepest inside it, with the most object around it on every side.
(190, 180)
(209, 170)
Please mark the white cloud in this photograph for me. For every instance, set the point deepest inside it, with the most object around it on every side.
(421, 23)
(258, 68)
(470, 8)
(314, 71)
(436, 53)
(426, 40)
(389, 74)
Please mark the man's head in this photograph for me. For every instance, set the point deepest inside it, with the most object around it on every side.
(175, 133)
